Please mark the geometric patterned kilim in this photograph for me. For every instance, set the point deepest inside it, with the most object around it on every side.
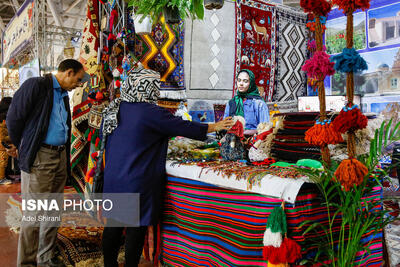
(207, 225)
(291, 55)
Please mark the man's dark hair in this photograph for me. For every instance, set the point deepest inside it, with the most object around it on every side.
(67, 64)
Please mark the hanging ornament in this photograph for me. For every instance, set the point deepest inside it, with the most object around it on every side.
(322, 133)
(351, 172)
(279, 250)
(319, 66)
(351, 5)
(319, 7)
(350, 119)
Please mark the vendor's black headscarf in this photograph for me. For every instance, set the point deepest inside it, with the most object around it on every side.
(236, 103)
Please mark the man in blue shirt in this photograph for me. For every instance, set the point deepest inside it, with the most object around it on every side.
(39, 125)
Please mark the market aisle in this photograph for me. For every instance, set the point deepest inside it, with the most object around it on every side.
(8, 239)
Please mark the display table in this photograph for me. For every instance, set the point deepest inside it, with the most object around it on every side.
(210, 220)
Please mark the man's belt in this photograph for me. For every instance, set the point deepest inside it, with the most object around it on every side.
(56, 148)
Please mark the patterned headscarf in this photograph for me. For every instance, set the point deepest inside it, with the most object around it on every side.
(236, 103)
(142, 85)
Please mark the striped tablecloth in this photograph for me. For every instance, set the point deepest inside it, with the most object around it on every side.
(207, 225)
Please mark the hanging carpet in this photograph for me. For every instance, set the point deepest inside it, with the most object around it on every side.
(291, 54)
(162, 51)
(256, 43)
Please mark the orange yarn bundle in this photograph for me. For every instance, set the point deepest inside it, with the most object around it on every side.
(351, 172)
(323, 134)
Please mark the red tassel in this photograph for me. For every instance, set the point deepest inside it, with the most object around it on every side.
(117, 84)
(273, 255)
(321, 135)
(97, 142)
(319, 7)
(113, 17)
(350, 120)
(292, 250)
(351, 5)
(111, 37)
(102, 1)
(350, 172)
(99, 96)
(90, 136)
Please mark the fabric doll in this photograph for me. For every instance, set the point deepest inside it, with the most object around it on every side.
(264, 133)
(231, 144)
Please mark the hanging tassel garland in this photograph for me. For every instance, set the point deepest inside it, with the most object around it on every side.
(319, 7)
(350, 119)
(351, 5)
(349, 61)
(319, 66)
(322, 133)
(351, 172)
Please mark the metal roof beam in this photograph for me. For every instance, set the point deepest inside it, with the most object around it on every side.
(72, 6)
(54, 12)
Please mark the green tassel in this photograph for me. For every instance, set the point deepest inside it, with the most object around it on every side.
(277, 221)
(87, 133)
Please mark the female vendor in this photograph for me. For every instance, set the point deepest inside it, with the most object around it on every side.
(247, 103)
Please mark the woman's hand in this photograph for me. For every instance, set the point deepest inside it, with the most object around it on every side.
(225, 124)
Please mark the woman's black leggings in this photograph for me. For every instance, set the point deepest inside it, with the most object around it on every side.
(134, 241)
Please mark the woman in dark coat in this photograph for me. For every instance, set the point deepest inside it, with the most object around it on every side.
(137, 133)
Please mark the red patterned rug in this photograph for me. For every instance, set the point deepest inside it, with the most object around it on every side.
(256, 43)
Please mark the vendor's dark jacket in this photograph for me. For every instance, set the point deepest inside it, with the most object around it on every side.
(28, 119)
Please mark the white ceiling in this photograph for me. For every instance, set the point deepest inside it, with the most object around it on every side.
(68, 13)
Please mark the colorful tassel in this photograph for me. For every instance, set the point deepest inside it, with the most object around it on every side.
(351, 5)
(94, 136)
(350, 119)
(351, 172)
(87, 133)
(319, 7)
(291, 249)
(113, 17)
(349, 61)
(272, 239)
(323, 134)
(288, 252)
(319, 66)
(273, 255)
(97, 142)
(99, 96)
(277, 221)
(89, 138)
(111, 37)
